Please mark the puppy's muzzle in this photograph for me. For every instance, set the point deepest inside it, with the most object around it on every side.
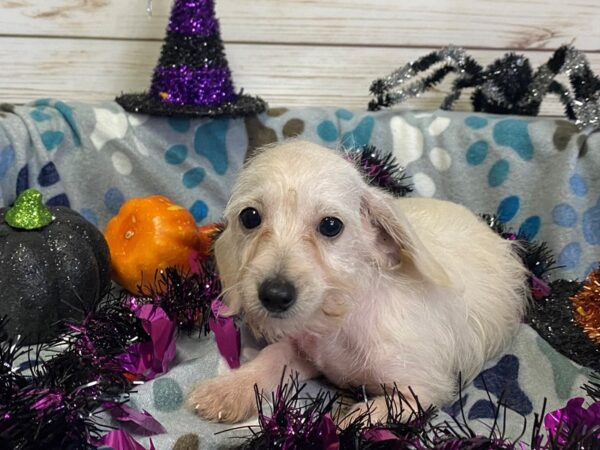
(277, 294)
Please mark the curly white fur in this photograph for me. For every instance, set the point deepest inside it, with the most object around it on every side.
(413, 291)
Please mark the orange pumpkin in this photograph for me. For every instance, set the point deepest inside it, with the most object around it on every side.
(150, 234)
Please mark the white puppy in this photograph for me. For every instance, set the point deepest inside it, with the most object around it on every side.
(346, 281)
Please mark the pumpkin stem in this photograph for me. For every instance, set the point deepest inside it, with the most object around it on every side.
(28, 212)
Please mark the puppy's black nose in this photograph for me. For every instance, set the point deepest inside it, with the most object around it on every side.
(277, 294)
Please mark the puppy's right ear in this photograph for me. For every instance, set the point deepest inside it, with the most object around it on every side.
(398, 239)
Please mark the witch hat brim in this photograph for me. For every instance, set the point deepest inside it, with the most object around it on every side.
(192, 77)
(244, 105)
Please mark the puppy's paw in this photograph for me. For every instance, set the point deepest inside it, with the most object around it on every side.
(223, 399)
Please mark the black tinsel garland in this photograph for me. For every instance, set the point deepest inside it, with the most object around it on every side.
(186, 296)
(296, 420)
(551, 315)
(536, 256)
(554, 320)
(301, 422)
(54, 404)
(593, 387)
(381, 170)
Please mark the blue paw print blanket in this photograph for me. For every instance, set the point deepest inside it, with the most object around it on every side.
(540, 175)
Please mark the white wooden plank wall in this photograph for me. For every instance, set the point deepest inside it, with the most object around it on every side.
(291, 52)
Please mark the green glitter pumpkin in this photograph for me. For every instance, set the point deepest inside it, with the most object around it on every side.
(53, 262)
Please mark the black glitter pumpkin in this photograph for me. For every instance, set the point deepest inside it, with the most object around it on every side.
(53, 264)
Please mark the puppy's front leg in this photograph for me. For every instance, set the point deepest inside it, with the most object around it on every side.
(230, 398)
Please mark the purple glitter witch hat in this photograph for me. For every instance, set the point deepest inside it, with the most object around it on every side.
(192, 77)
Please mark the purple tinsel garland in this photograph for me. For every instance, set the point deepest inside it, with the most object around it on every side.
(300, 423)
(94, 364)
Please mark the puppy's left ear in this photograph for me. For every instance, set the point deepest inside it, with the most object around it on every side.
(397, 237)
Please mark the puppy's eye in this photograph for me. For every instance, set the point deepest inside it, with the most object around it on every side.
(330, 226)
(250, 218)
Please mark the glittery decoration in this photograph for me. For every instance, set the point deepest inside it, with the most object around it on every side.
(295, 421)
(582, 106)
(561, 423)
(148, 359)
(192, 77)
(507, 86)
(592, 387)
(381, 170)
(536, 257)
(28, 212)
(49, 273)
(554, 319)
(184, 85)
(143, 421)
(187, 297)
(504, 88)
(53, 406)
(193, 17)
(227, 334)
(389, 90)
(298, 421)
(586, 304)
(183, 50)
(143, 104)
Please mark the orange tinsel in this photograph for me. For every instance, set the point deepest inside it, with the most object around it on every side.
(586, 304)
